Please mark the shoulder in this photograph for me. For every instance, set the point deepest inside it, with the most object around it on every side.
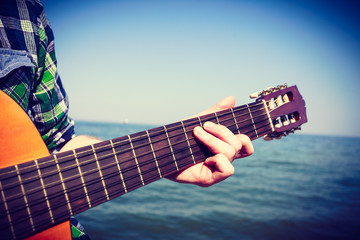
(20, 22)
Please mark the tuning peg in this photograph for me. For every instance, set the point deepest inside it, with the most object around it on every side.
(290, 131)
(268, 138)
(254, 95)
(261, 93)
(279, 136)
(267, 91)
(275, 135)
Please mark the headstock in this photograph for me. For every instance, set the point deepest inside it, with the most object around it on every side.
(286, 108)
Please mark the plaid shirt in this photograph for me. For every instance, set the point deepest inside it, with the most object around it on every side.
(28, 71)
(29, 75)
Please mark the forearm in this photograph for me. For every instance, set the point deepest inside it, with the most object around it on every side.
(80, 141)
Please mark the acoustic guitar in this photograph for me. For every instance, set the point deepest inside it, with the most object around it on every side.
(39, 191)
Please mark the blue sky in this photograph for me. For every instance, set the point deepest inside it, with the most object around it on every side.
(156, 62)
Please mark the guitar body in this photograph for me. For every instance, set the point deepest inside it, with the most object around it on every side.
(21, 142)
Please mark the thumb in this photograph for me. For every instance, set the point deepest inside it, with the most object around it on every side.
(226, 103)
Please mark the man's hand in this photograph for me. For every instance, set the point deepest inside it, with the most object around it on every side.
(223, 143)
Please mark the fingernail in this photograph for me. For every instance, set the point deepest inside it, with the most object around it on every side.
(209, 125)
(199, 130)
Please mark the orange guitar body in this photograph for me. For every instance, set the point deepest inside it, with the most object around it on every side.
(21, 142)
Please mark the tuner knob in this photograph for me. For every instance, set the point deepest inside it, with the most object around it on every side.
(268, 138)
(262, 92)
(254, 95)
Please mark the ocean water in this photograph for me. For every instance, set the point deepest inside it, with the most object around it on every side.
(299, 187)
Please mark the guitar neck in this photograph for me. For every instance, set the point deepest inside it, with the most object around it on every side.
(41, 193)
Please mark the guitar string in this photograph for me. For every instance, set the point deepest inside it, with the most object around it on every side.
(60, 217)
(132, 159)
(143, 137)
(124, 171)
(103, 167)
(188, 122)
(151, 180)
(110, 186)
(101, 158)
(194, 121)
(122, 151)
(77, 187)
(94, 201)
(97, 200)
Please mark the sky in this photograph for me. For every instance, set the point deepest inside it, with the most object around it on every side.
(156, 62)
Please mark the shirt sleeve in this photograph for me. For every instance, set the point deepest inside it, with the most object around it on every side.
(48, 102)
(34, 82)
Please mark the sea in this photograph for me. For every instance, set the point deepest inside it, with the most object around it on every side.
(299, 187)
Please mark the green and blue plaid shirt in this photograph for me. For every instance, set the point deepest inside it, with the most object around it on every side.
(28, 71)
(28, 74)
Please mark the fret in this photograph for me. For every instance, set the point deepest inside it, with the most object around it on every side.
(36, 202)
(145, 148)
(136, 161)
(209, 117)
(91, 172)
(63, 186)
(118, 166)
(179, 145)
(69, 166)
(252, 120)
(82, 179)
(101, 175)
(263, 128)
(243, 121)
(187, 141)
(227, 119)
(162, 150)
(200, 121)
(17, 208)
(237, 126)
(217, 119)
(44, 191)
(153, 152)
(261, 121)
(199, 151)
(108, 168)
(125, 158)
(268, 115)
(7, 213)
(171, 149)
(25, 199)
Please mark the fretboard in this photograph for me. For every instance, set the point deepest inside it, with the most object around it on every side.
(39, 194)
